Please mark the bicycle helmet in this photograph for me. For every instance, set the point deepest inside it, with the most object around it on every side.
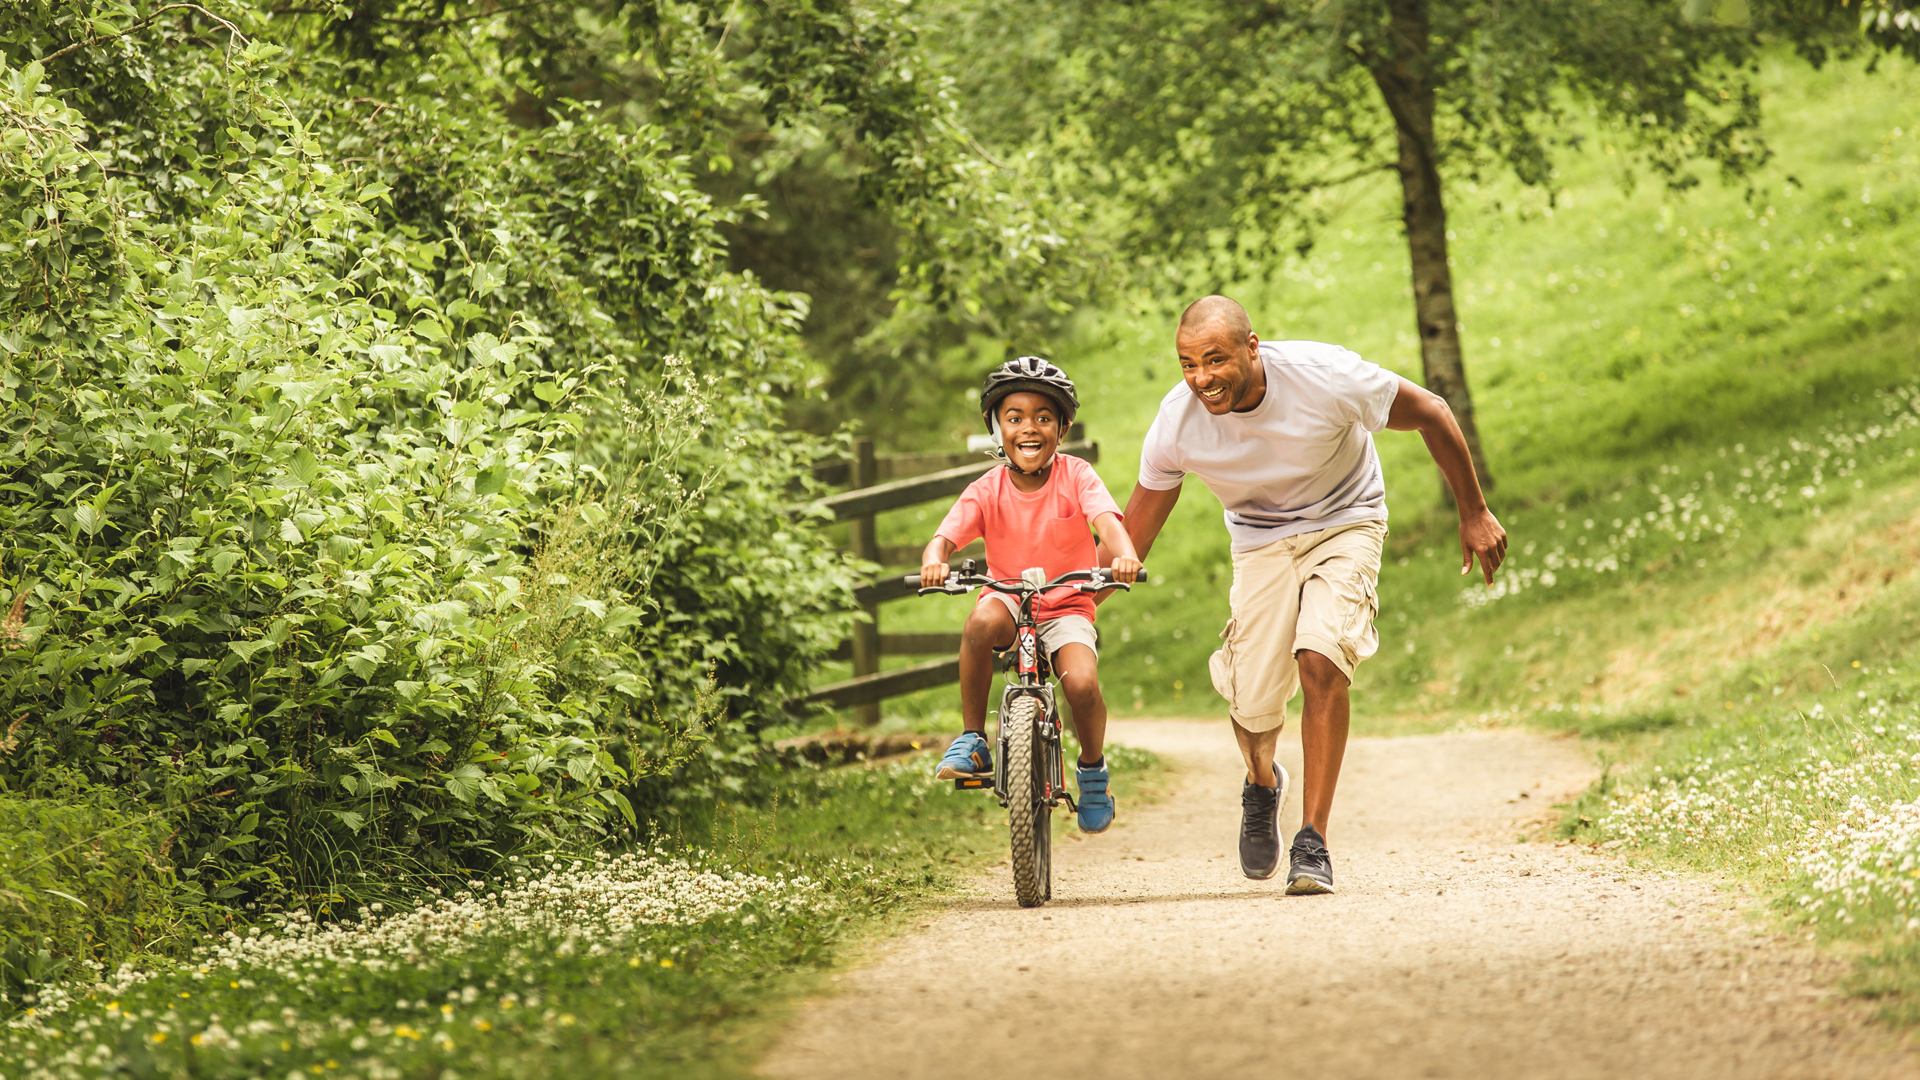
(1026, 373)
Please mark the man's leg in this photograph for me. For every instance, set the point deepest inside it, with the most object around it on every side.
(1324, 719)
(1258, 748)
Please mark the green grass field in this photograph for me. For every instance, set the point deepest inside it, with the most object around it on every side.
(1631, 352)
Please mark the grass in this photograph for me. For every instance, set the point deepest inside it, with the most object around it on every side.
(1628, 350)
(582, 968)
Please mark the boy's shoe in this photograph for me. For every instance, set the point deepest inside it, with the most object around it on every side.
(1260, 826)
(968, 756)
(1312, 871)
(1096, 806)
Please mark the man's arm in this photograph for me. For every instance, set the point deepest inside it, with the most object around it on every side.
(1417, 409)
(1147, 511)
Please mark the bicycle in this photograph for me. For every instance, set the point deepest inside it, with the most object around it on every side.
(1029, 773)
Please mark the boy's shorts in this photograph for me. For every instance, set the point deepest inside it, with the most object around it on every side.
(1313, 591)
(1055, 633)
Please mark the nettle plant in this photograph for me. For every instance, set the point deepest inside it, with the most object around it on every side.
(271, 553)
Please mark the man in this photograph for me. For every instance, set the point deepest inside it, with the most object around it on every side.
(1282, 434)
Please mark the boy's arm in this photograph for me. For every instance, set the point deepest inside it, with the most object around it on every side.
(933, 561)
(1113, 536)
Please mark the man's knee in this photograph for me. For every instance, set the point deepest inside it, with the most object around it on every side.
(1319, 675)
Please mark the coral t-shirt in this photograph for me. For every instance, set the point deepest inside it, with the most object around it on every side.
(1048, 528)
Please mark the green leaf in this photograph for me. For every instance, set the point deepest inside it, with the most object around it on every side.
(304, 467)
(374, 190)
(247, 650)
(620, 803)
(491, 481)
(547, 392)
(384, 736)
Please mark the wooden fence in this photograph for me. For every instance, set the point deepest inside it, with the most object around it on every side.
(875, 486)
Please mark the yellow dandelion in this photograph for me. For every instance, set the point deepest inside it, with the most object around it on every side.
(666, 962)
(158, 1037)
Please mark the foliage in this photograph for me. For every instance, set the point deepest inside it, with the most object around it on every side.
(389, 482)
(240, 575)
(81, 883)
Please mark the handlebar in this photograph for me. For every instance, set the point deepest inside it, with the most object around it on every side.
(965, 580)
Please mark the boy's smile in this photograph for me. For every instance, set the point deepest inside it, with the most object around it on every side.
(1029, 429)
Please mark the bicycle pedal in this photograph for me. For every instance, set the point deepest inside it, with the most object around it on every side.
(973, 783)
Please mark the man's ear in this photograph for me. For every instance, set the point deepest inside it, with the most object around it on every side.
(1253, 343)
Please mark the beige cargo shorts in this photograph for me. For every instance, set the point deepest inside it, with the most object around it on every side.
(1313, 591)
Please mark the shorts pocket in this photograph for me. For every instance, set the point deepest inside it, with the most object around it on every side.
(1220, 664)
(1360, 638)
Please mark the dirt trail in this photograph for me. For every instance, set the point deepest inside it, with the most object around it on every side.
(1449, 951)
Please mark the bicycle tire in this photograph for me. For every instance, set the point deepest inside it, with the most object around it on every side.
(1029, 822)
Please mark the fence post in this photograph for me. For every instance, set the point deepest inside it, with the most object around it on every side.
(866, 635)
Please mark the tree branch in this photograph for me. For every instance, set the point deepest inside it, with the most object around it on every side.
(92, 41)
(437, 24)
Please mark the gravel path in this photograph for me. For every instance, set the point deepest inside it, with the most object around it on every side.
(1449, 951)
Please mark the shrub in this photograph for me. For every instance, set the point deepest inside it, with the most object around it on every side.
(81, 880)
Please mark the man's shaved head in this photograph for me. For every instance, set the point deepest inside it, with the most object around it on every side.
(1217, 313)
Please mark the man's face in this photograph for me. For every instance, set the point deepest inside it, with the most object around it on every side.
(1218, 368)
(1029, 428)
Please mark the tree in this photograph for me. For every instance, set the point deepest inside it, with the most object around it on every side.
(1204, 126)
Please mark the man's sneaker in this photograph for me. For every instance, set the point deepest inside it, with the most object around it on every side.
(1312, 870)
(1260, 826)
(1096, 806)
(968, 756)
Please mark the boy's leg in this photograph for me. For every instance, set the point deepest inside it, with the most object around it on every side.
(989, 627)
(1079, 671)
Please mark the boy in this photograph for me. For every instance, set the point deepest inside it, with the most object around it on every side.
(1034, 512)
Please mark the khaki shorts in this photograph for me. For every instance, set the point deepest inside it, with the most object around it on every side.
(1054, 633)
(1311, 591)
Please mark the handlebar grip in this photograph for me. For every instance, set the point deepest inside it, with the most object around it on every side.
(910, 579)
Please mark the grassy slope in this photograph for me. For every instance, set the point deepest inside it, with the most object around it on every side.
(1625, 347)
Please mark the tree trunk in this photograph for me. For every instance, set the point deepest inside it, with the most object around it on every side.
(1404, 81)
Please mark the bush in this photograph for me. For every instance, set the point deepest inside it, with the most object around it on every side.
(81, 880)
(357, 593)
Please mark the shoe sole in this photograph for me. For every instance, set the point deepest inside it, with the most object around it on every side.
(1306, 886)
(1279, 804)
(948, 772)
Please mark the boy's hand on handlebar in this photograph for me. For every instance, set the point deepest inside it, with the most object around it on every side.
(933, 574)
(1126, 568)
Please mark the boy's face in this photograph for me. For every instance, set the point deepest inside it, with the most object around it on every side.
(1029, 428)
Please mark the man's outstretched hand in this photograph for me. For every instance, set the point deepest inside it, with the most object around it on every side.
(1482, 536)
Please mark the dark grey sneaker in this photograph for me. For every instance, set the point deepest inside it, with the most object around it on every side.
(1260, 826)
(1312, 870)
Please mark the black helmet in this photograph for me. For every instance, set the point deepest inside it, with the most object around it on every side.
(1028, 373)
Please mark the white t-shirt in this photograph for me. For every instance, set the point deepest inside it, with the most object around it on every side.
(1302, 459)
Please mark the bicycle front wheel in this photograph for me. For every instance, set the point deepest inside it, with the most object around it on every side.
(1029, 818)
